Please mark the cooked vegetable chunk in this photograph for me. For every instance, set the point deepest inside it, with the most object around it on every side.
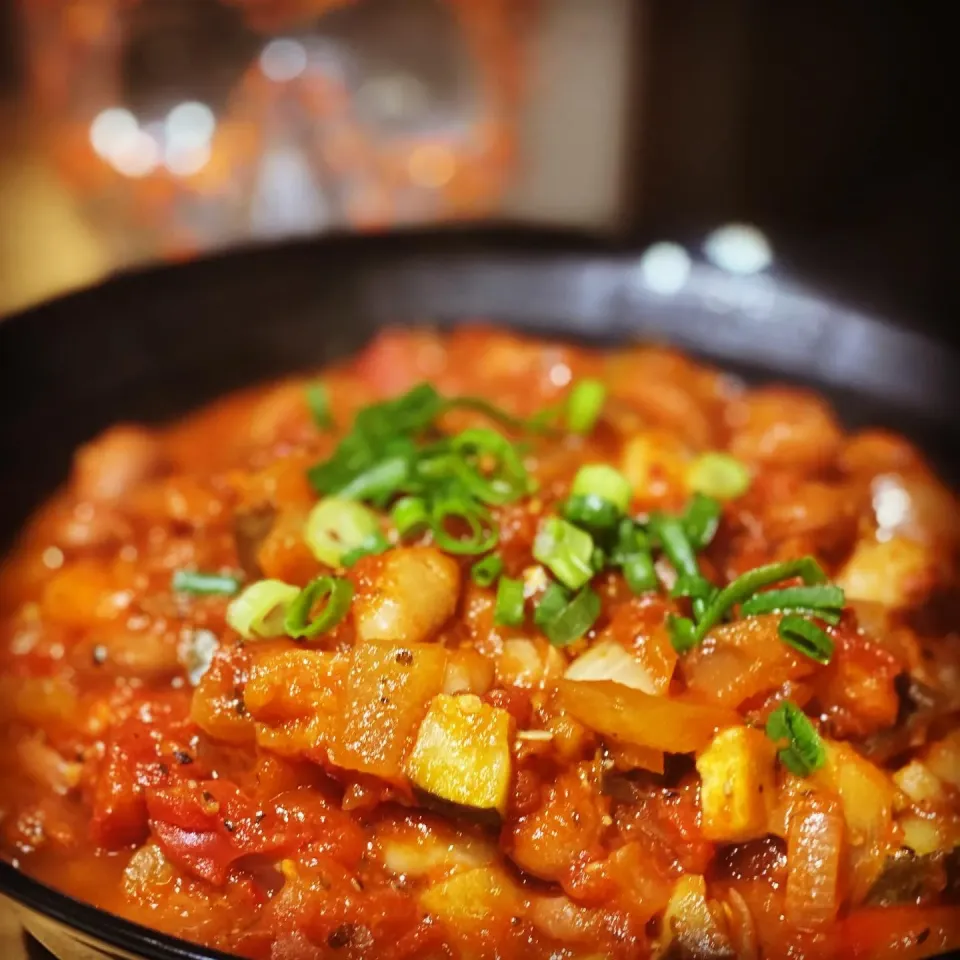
(738, 785)
(462, 753)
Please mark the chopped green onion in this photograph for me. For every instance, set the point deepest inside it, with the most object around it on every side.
(640, 573)
(410, 516)
(673, 537)
(801, 749)
(260, 610)
(605, 482)
(804, 635)
(675, 541)
(631, 539)
(375, 544)
(484, 572)
(682, 630)
(695, 587)
(550, 605)
(194, 581)
(379, 482)
(337, 526)
(591, 512)
(318, 400)
(822, 600)
(534, 424)
(483, 534)
(749, 583)
(574, 619)
(598, 559)
(701, 520)
(507, 479)
(565, 550)
(300, 622)
(718, 475)
(508, 609)
(584, 404)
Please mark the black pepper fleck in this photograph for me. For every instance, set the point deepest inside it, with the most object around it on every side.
(183, 757)
(923, 936)
(405, 657)
(99, 654)
(229, 826)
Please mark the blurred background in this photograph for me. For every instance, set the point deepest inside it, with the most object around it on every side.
(134, 131)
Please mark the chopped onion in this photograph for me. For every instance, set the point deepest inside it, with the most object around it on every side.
(609, 661)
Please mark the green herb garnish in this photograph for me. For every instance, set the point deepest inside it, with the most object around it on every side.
(804, 635)
(508, 609)
(204, 584)
(800, 747)
(300, 621)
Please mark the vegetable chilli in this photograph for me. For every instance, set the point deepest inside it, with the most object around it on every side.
(479, 646)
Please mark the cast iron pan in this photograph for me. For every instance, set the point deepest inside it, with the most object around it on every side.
(150, 346)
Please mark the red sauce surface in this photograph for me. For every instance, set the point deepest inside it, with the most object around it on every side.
(262, 796)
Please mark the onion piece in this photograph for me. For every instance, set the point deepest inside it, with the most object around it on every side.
(672, 725)
(609, 661)
(814, 852)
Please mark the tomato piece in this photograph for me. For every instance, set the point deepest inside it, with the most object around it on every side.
(206, 827)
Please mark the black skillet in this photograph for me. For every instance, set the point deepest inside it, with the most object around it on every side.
(153, 345)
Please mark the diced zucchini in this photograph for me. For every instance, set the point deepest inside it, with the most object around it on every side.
(471, 898)
(737, 773)
(462, 753)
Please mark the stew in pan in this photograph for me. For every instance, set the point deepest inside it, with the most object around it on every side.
(481, 646)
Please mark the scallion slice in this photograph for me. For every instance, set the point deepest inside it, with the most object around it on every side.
(683, 636)
(574, 619)
(300, 621)
(804, 635)
(485, 572)
(337, 526)
(379, 482)
(209, 584)
(701, 520)
(801, 750)
(696, 587)
(718, 475)
(565, 550)
(410, 516)
(822, 600)
(508, 609)
(482, 536)
(603, 481)
(676, 544)
(591, 512)
(551, 603)
(260, 610)
(672, 533)
(749, 583)
(630, 540)
(584, 405)
(640, 573)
